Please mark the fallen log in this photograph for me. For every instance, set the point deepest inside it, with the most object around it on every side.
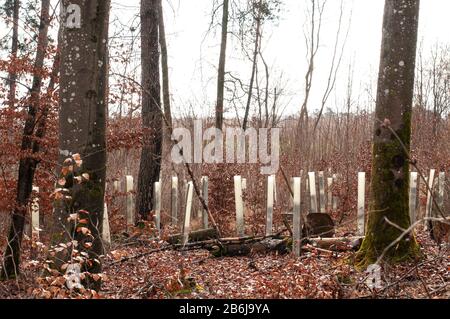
(230, 247)
(336, 244)
(281, 245)
(195, 236)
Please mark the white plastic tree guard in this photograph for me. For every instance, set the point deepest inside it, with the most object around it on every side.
(361, 203)
(297, 220)
(174, 200)
(106, 232)
(329, 193)
(312, 191)
(269, 206)
(204, 193)
(157, 205)
(187, 213)
(130, 200)
(322, 198)
(441, 187)
(429, 196)
(335, 198)
(239, 206)
(413, 196)
(35, 215)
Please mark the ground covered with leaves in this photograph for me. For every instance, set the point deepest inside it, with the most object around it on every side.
(196, 274)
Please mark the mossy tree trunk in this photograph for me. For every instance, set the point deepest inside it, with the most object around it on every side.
(390, 164)
(82, 121)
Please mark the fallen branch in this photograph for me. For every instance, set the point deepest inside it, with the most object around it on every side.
(241, 246)
(195, 236)
(336, 244)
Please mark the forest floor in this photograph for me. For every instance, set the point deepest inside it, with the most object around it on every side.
(196, 274)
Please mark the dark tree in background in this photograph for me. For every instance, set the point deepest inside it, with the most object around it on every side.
(30, 145)
(222, 61)
(389, 209)
(151, 108)
(14, 49)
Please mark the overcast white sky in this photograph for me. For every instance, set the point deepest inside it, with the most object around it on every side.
(193, 62)
(193, 58)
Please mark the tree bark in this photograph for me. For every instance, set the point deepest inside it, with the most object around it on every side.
(28, 163)
(222, 61)
(164, 66)
(392, 135)
(82, 122)
(151, 108)
(14, 49)
(254, 65)
(167, 121)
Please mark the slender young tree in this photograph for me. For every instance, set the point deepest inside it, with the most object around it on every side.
(222, 61)
(167, 121)
(151, 108)
(164, 66)
(29, 147)
(82, 125)
(14, 49)
(388, 209)
(257, 8)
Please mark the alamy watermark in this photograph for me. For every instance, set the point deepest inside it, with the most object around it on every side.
(207, 146)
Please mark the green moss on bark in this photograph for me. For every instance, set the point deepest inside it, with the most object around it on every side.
(389, 200)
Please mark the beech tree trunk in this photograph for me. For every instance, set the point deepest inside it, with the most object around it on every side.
(222, 60)
(28, 163)
(82, 121)
(390, 161)
(151, 108)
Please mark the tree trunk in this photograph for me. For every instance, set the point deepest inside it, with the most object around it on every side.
(254, 64)
(151, 108)
(27, 165)
(392, 134)
(82, 122)
(14, 49)
(167, 122)
(164, 66)
(221, 72)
